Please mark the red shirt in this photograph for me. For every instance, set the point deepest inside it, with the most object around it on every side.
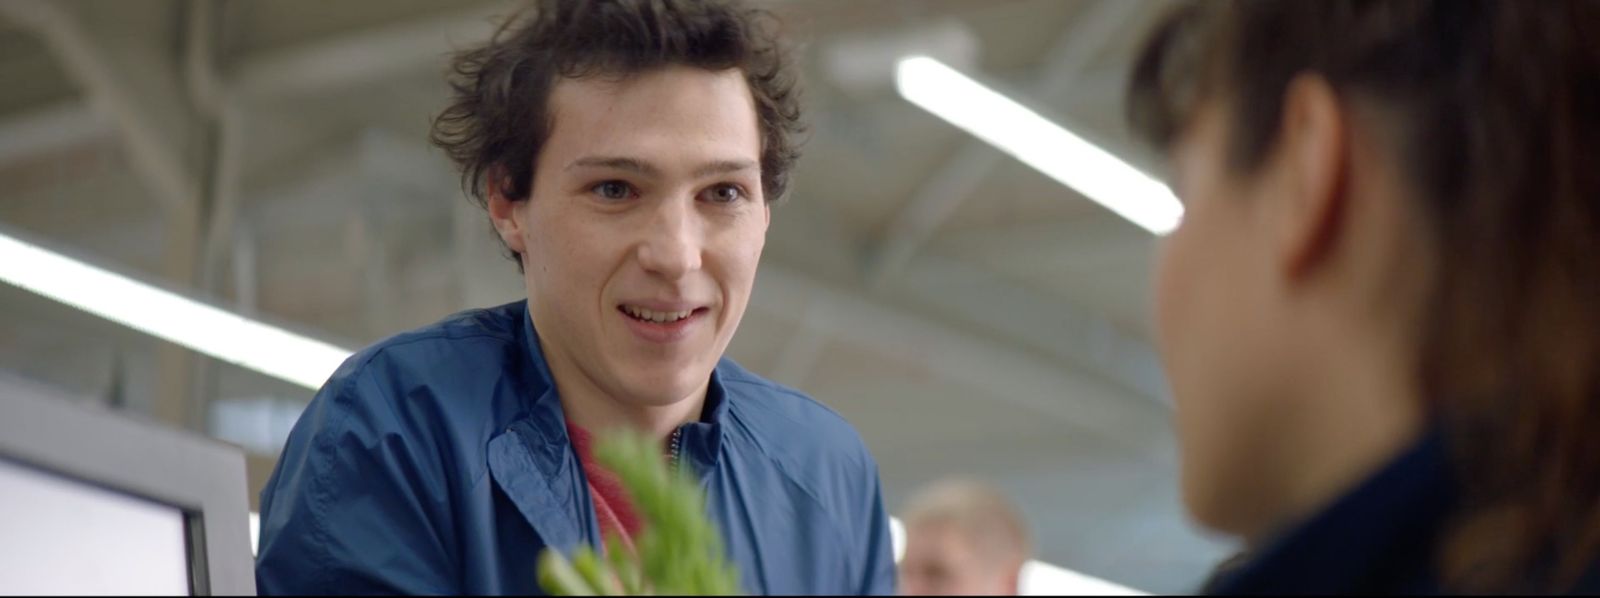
(611, 504)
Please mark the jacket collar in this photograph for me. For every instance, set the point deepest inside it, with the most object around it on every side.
(1377, 538)
(532, 459)
(545, 408)
(702, 439)
(533, 462)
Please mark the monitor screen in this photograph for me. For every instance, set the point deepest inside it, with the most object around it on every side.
(59, 535)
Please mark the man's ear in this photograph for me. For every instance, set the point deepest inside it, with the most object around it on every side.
(504, 211)
(1313, 157)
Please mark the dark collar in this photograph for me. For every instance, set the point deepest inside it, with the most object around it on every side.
(1380, 537)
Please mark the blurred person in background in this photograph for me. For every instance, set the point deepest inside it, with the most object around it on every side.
(963, 538)
(1381, 314)
(627, 154)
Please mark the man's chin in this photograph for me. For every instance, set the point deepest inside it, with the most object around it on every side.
(664, 391)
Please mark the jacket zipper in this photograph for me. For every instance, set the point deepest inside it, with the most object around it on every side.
(675, 447)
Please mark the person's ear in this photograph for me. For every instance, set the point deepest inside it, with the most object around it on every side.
(504, 211)
(1312, 157)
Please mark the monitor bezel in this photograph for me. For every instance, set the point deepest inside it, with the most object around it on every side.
(203, 478)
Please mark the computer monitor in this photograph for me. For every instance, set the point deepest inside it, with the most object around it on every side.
(95, 502)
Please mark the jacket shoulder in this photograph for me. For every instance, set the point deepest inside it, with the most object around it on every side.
(452, 351)
(474, 328)
(445, 380)
(806, 437)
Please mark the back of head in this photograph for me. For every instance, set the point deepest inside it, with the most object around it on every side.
(967, 525)
(1496, 122)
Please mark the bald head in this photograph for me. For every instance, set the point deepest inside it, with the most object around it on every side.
(962, 537)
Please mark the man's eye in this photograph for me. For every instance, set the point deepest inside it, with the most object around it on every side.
(614, 190)
(724, 194)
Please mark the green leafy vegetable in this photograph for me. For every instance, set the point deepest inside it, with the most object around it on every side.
(678, 551)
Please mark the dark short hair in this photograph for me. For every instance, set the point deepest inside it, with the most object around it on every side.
(1496, 127)
(498, 118)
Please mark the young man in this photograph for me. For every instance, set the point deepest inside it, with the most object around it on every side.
(963, 538)
(627, 153)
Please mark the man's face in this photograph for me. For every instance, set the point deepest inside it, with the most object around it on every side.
(940, 560)
(643, 229)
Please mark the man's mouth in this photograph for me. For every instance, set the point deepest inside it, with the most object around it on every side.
(655, 316)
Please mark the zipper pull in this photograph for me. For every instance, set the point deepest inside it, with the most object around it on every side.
(675, 447)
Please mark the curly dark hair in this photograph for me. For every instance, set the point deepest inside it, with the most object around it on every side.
(498, 117)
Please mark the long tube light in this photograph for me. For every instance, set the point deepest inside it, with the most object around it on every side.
(1036, 141)
(204, 328)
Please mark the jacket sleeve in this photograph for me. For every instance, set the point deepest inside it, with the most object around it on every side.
(877, 548)
(356, 504)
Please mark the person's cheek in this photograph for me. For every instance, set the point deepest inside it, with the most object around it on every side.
(1167, 278)
(737, 277)
(1174, 301)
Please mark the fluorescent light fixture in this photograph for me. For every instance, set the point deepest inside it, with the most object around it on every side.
(897, 538)
(1037, 142)
(204, 328)
(1039, 578)
(255, 533)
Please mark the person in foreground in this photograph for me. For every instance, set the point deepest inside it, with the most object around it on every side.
(1380, 316)
(627, 154)
(963, 538)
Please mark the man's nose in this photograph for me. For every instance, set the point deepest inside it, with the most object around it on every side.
(674, 239)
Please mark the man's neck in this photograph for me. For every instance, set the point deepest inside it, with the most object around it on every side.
(596, 411)
(587, 404)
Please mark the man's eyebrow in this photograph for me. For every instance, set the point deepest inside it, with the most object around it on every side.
(616, 162)
(725, 167)
(639, 166)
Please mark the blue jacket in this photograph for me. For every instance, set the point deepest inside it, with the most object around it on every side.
(438, 462)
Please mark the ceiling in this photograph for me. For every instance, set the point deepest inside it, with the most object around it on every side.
(968, 314)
